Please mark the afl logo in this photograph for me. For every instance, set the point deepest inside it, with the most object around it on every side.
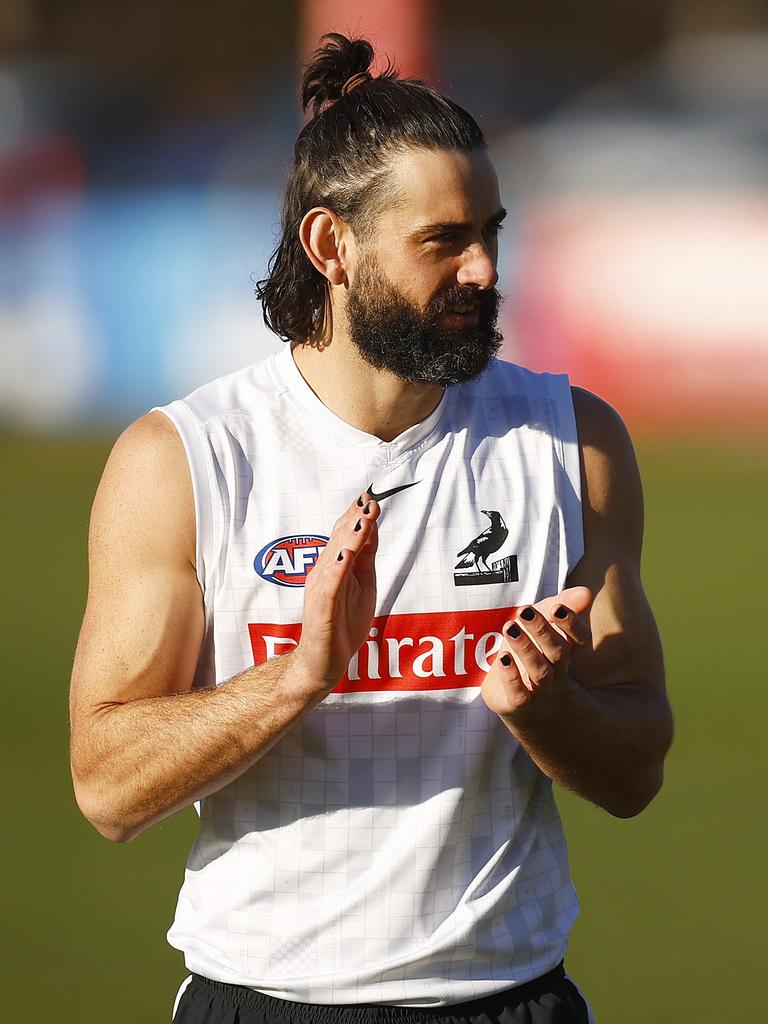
(287, 561)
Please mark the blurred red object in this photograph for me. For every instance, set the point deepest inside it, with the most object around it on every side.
(659, 304)
(400, 29)
(38, 167)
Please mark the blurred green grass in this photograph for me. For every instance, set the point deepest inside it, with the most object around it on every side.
(670, 929)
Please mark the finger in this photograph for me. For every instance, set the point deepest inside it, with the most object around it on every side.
(365, 557)
(363, 505)
(369, 517)
(328, 586)
(571, 625)
(357, 556)
(371, 509)
(535, 667)
(351, 537)
(551, 642)
(510, 666)
(578, 599)
(512, 680)
(563, 610)
(353, 528)
(338, 567)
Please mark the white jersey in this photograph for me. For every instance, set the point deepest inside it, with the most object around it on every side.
(397, 846)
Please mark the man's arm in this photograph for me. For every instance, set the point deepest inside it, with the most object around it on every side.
(143, 743)
(594, 716)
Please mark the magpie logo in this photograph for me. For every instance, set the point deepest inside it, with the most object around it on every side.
(389, 493)
(473, 569)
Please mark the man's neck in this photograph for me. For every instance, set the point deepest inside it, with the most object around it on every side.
(375, 401)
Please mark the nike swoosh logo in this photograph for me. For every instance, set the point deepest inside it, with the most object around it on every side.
(388, 494)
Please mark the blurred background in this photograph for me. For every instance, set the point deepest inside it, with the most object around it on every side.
(143, 149)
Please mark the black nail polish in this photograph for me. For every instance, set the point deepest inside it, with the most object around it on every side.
(527, 614)
(513, 631)
(367, 509)
(357, 526)
(360, 501)
(339, 557)
(561, 612)
(506, 659)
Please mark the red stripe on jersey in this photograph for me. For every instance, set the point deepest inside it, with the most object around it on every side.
(411, 651)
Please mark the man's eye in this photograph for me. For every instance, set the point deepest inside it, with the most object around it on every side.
(494, 229)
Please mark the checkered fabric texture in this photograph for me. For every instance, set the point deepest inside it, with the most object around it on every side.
(397, 846)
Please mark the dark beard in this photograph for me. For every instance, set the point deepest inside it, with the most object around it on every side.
(391, 333)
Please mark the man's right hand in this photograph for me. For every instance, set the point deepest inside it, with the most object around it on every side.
(144, 742)
(340, 596)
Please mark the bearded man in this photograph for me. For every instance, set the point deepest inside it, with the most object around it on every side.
(299, 620)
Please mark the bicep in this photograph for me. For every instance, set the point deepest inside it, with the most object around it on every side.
(144, 622)
(625, 642)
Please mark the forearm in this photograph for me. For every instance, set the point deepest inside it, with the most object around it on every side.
(604, 744)
(138, 762)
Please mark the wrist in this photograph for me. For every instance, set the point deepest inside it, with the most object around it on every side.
(304, 676)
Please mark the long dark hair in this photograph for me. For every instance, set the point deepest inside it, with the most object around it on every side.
(342, 161)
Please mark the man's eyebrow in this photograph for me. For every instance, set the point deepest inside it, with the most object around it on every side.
(444, 226)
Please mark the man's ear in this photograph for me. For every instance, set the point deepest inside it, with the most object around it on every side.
(326, 240)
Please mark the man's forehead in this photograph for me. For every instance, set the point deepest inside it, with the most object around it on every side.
(441, 186)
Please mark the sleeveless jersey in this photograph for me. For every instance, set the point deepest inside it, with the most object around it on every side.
(397, 846)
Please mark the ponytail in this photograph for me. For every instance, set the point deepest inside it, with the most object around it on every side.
(342, 160)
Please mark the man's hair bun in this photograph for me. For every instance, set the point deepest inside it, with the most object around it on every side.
(338, 63)
(343, 161)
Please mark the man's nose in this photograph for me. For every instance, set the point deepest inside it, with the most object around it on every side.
(478, 267)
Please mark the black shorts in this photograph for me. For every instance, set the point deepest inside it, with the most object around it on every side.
(550, 999)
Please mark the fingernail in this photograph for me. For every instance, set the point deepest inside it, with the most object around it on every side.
(505, 659)
(527, 614)
(357, 526)
(367, 509)
(561, 612)
(513, 631)
(340, 557)
(360, 501)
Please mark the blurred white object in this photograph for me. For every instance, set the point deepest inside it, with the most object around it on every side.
(49, 360)
(644, 236)
(226, 335)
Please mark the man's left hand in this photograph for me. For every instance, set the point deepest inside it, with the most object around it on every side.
(535, 653)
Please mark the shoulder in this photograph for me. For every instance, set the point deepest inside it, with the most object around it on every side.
(598, 422)
(149, 448)
(611, 487)
(145, 494)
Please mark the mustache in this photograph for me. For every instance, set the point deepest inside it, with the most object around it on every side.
(488, 300)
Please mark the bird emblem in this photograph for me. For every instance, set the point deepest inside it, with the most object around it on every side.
(476, 553)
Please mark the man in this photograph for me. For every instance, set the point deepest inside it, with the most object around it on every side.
(406, 675)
